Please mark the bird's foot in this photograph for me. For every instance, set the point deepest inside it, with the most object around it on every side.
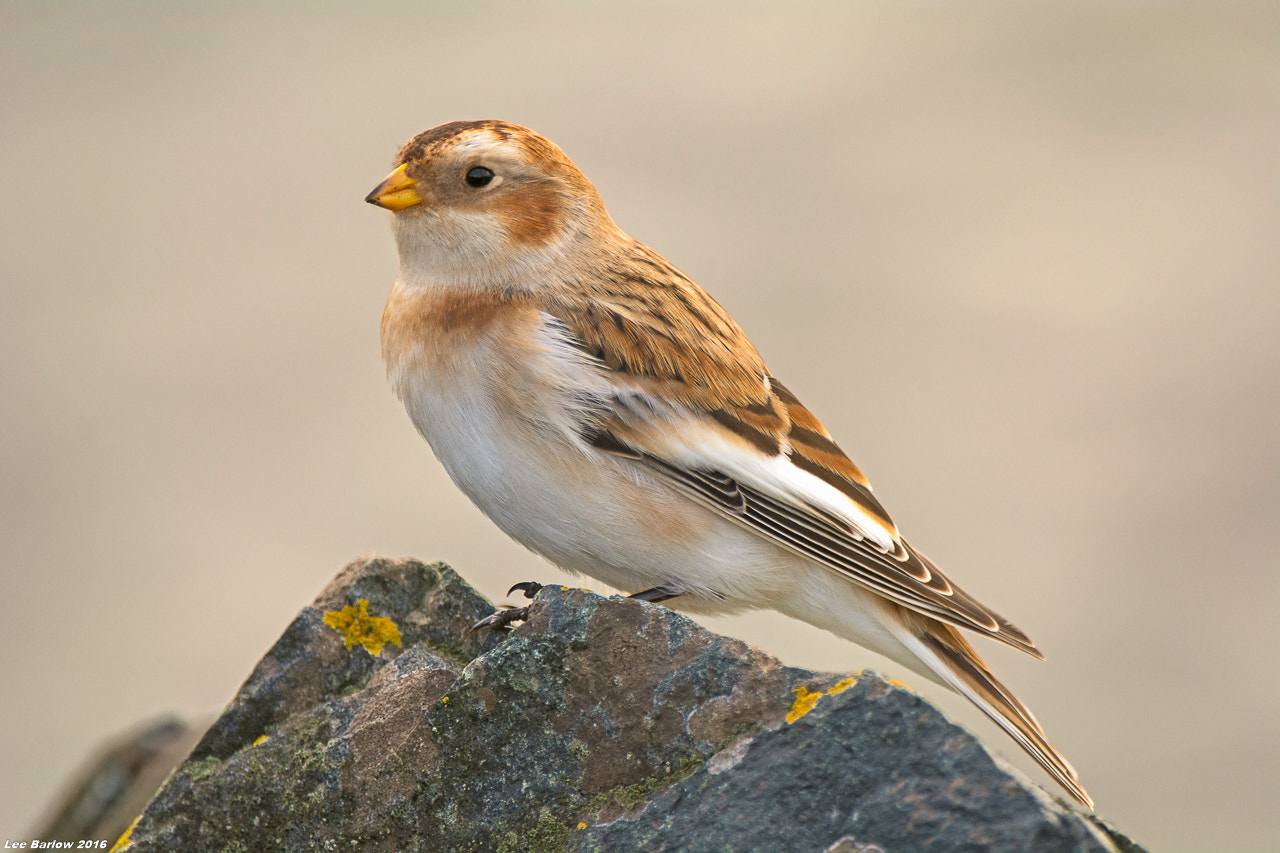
(500, 620)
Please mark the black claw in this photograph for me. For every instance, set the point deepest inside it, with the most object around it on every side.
(500, 620)
(529, 588)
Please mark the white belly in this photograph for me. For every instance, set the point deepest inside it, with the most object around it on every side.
(514, 454)
(596, 516)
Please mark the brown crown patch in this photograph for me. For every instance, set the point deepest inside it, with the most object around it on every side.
(427, 143)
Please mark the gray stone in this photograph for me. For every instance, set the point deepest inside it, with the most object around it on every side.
(113, 785)
(601, 724)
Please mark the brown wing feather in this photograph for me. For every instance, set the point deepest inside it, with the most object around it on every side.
(641, 317)
(672, 341)
(995, 700)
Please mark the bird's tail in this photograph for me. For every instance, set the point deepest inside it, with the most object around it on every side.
(949, 655)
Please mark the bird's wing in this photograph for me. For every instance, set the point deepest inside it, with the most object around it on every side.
(686, 396)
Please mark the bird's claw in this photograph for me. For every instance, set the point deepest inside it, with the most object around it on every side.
(500, 620)
(529, 588)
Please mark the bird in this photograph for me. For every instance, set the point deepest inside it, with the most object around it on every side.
(608, 414)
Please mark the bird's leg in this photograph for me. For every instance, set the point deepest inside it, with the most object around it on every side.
(656, 594)
(500, 620)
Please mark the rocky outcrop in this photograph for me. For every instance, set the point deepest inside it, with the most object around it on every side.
(116, 782)
(600, 724)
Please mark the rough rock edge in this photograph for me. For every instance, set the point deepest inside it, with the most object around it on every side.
(600, 724)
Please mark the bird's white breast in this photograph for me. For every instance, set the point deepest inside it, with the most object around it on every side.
(499, 402)
(489, 388)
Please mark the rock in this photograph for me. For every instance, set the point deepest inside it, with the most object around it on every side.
(601, 724)
(111, 788)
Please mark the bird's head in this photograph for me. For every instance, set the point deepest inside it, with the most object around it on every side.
(489, 204)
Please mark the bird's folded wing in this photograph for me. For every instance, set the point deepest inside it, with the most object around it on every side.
(778, 499)
(706, 417)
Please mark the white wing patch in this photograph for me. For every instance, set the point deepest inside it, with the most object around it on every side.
(701, 445)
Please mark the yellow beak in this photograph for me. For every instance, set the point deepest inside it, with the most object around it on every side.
(397, 192)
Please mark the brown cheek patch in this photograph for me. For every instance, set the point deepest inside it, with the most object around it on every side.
(532, 215)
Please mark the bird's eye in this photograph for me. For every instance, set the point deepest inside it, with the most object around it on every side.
(479, 176)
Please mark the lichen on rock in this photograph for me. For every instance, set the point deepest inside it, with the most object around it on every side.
(600, 724)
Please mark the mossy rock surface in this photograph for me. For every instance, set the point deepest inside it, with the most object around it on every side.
(600, 724)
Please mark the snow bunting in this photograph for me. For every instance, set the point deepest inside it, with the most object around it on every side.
(609, 415)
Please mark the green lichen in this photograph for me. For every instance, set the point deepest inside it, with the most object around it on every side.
(201, 768)
(549, 836)
(630, 796)
(449, 651)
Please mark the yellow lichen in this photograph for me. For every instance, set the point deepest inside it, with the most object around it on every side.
(806, 699)
(123, 841)
(261, 740)
(357, 626)
(842, 685)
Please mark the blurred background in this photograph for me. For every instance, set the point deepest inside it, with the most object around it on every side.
(1022, 259)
